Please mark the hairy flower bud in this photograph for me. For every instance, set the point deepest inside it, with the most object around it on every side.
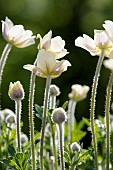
(59, 115)
(16, 91)
(54, 90)
(11, 118)
(75, 147)
(24, 139)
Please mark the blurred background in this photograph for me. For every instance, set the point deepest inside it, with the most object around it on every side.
(69, 19)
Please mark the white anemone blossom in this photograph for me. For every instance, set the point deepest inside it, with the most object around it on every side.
(55, 45)
(94, 47)
(16, 34)
(48, 65)
(78, 92)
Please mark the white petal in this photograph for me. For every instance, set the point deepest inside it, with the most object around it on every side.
(25, 43)
(109, 28)
(45, 60)
(86, 43)
(9, 22)
(108, 64)
(16, 31)
(57, 44)
(5, 30)
(29, 67)
(111, 55)
(61, 54)
(46, 40)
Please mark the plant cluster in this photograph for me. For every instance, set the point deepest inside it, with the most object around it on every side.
(58, 145)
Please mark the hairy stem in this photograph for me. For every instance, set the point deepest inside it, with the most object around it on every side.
(3, 59)
(31, 122)
(61, 141)
(107, 112)
(18, 130)
(45, 110)
(92, 111)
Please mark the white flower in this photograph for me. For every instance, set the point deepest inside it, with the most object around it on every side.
(108, 64)
(78, 92)
(94, 47)
(16, 34)
(55, 45)
(48, 65)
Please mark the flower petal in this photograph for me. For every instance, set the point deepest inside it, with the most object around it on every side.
(57, 44)
(86, 43)
(16, 31)
(108, 64)
(109, 28)
(46, 61)
(61, 54)
(45, 42)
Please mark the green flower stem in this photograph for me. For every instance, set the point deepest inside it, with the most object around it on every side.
(18, 130)
(54, 146)
(71, 118)
(93, 96)
(107, 111)
(45, 110)
(53, 128)
(61, 141)
(3, 59)
(31, 123)
(52, 101)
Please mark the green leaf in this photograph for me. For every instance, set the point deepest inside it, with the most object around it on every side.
(66, 156)
(81, 157)
(64, 106)
(11, 150)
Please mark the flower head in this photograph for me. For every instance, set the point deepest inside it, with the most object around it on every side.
(75, 147)
(16, 34)
(55, 45)
(54, 90)
(109, 64)
(16, 91)
(59, 115)
(78, 92)
(47, 65)
(94, 47)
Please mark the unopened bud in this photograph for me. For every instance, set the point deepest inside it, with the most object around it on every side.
(54, 90)
(24, 138)
(10, 119)
(75, 147)
(59, 115)
(16, 91)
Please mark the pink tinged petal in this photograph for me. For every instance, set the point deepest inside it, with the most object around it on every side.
(22, 37)
(86, 43)
(109, 64)
(9, 22)
(5, 30)
(46, 61)
(101, 39)
(60, 67)
(45, 42)
(109, 28)
(57, 44)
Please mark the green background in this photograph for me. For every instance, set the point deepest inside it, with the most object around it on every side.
(69, 19)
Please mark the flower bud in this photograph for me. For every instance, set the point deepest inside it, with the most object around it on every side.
(11, 118)
(59, 115)
(7, 112)
(16, 91)
(75, 147)
(54, 90)
(24, 138)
